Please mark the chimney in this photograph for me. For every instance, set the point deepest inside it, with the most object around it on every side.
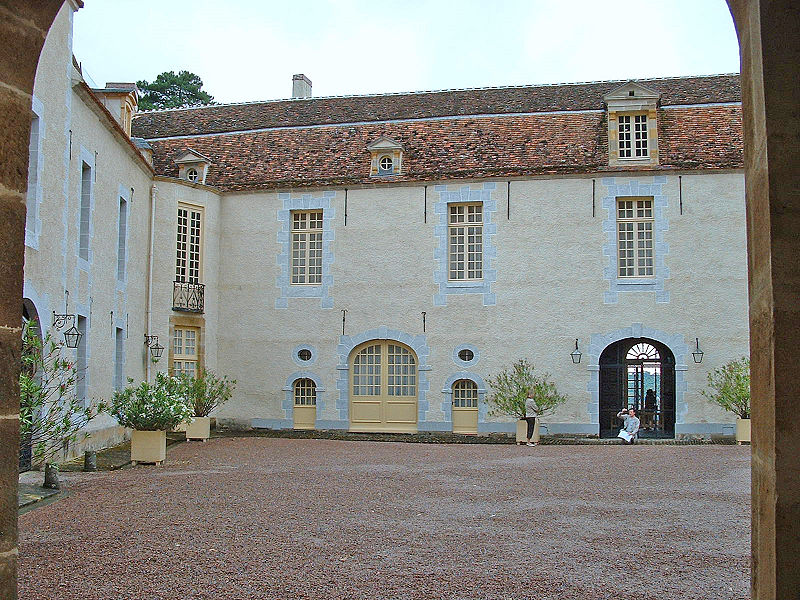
(301, 86)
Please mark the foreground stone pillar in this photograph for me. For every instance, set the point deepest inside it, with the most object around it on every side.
(770, 55)
(23, 27)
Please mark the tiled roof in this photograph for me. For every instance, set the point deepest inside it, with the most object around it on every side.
(419, 105)
(699, 127)
(689, 137)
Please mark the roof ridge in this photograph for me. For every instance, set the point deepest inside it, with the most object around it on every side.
(441, 91)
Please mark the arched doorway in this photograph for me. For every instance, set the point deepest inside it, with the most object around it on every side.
(638, 373)
(383, 388)
(305, 403)
(465, 407)
(29, 316)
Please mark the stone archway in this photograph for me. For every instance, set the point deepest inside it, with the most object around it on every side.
(23, 28)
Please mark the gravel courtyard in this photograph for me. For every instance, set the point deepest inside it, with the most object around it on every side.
(241, 518)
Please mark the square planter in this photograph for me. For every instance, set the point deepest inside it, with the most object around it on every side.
(199, 429)
(148, 446)
(522, 432)
(742, 431)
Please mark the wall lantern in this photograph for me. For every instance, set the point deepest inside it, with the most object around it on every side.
(156, 349)
(697, 354)
(72, 336)
(576, 354)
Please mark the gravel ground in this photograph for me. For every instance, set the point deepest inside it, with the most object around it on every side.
(240, 518)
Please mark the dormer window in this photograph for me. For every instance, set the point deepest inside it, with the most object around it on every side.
(632, 125)
(192, 166)
(386, 157)
(632, 136)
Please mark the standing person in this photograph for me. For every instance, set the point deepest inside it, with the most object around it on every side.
(650, 410)
(630, 427)
(531, 408)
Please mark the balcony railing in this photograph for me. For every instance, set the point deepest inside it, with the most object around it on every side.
(188, 297)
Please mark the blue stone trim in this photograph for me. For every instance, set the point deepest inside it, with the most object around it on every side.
(497, 427)
(288, 400)
(619, 187)
(271, 424)
(287, 290)
(568, 428)
(33, 222)
(705, 429)
(304, 363)
(447, 401)
(600, 341)
(466, 363)
(418, 343)
(465, 193)
(332, 424)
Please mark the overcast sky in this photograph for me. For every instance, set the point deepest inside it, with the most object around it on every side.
(247, 50)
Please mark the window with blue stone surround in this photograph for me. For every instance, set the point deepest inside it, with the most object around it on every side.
(304, 203)
(450, 195)
(652, 274)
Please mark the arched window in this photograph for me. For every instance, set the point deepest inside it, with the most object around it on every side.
(305, 392)
(465, 394)
(642, 351)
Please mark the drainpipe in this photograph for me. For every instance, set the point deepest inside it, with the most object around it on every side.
(149, 299)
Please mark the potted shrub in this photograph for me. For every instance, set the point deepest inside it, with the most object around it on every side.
(204, 393)
(519, 392)
(50, 413)
(150, 410)
(729, 387)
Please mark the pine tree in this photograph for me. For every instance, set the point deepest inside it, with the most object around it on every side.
(169, 90)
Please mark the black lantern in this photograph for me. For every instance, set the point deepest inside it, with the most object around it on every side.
(156, 349)
(72, 336)
(697, 354)
(576, 354)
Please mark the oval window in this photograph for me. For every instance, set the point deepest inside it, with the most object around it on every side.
(304, 354)
(191, 174)
(385, 163)
(466, 354)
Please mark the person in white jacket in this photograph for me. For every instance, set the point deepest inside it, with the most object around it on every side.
(630, 427)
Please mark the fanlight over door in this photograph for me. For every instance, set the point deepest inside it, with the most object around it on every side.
(383, 388)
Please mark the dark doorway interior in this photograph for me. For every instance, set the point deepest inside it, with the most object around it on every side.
(638, 373)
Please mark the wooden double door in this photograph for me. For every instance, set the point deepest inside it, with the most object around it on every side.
(383, 388)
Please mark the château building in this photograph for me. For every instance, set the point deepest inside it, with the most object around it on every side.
(367, 263)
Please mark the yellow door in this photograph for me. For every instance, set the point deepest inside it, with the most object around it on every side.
(465, 407)
(383, 388)
(305, 404)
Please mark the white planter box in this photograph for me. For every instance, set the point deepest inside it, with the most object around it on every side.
(522, 432)
(199, 429)
(148, 447)
(743, 430)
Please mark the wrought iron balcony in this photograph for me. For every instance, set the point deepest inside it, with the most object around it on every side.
(188, 297)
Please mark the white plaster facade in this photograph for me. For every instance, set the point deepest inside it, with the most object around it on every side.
(549, 274)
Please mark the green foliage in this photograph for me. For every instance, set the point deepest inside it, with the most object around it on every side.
(169, 90)
(729, 386)
(206, 391)
(51, 415)
(511, 387)
(151, 407)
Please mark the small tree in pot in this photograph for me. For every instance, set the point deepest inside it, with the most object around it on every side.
(204, 393)
(150, 409)
(519, 392)
(729, 387)
(51, 415)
